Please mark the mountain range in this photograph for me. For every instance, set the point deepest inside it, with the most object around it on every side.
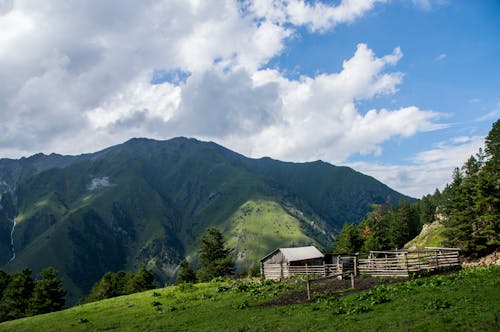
(147, 202)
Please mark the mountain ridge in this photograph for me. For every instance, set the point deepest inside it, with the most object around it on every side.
(147, 202)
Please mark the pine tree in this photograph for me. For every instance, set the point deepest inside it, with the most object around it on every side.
(16, 296)
(4, 281)
(48, 293)
(186, 273)
(472, 201)
(487, 223)
(376, 228)
(142, 281)
(349, 240)
(110, 285)
(215, 259)
(401, 222)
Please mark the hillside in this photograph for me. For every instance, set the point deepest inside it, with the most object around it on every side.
(430, 236)
(463, 301)
(147, 202)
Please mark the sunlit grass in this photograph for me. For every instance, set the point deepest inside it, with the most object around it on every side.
(465, 301)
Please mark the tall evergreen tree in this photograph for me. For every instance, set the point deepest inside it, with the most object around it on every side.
(48, 293)
(186, 273)
(110, 285)
(472, 204)
(142, 281)
(401, 222)
(349, 240)
(215, 259)
(16, 296)
(376, 228)
(4, 281)
(487, 223)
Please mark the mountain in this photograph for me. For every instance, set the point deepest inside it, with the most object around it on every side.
(148, 202)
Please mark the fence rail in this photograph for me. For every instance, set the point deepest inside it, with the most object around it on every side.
(403, 263)
(392, 263)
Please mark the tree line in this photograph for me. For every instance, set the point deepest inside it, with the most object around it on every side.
(215, 261)
(386, 227)
(121, 283)
(22, 296)
(468, 208)
(471, 202)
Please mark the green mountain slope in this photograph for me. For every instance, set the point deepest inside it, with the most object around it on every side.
(148, 202)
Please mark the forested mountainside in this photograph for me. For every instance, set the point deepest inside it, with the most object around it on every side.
(146, 202)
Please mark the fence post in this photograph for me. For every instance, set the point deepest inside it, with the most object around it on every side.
(356, 265)
(406, 264)
(308, 285)
(352, 280)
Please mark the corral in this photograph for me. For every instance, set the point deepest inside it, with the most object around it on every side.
(283, 263)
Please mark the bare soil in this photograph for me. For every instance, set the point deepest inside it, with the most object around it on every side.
(331, 287)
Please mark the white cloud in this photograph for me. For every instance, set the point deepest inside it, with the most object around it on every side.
(428, 170)
(317, 15)
(428, 4)
(441, 57)
(493, 115)
(79, 79)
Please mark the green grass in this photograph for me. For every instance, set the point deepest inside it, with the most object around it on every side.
(260, 226)
(431, 236)
(464, 301)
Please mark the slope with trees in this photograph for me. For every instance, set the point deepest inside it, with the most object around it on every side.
(468, 209)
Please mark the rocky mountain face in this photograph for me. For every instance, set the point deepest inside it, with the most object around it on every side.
(147, 202)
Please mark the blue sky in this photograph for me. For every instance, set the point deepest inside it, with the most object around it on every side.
(402, 90)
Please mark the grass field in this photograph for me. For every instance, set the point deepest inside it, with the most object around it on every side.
(468, 300)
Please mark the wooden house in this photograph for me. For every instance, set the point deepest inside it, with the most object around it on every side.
(283, 262)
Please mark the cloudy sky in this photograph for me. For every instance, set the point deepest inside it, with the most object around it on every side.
(403, 90)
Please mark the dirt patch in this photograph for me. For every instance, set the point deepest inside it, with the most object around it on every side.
(331, 287)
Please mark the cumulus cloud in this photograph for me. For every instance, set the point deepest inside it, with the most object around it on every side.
(83, 75)
(316, 15)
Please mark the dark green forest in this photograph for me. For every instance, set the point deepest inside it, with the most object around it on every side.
(22, 296)
(468, 207)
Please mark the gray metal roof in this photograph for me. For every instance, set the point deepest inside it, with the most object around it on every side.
(298, 254)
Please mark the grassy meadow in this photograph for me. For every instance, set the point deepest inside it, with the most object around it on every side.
(467, 300)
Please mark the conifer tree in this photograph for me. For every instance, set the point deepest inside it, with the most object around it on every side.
(215, 259)
(186, 273)
(48, 293)
(4, 281)
(349, 240)
(142, 281)
(17, 295)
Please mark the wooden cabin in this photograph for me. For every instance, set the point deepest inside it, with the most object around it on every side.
(283, 262)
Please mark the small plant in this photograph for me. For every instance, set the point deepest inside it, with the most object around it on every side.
(155, 303)
(242, 288)
(83, 320)
(223, 289)
(243, 305)
(437, 304)
(184, 287)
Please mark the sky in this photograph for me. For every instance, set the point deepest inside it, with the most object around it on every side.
(402, 90)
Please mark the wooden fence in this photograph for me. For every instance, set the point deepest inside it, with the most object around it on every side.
(343, 264)
(379, 263)
(402, 263)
